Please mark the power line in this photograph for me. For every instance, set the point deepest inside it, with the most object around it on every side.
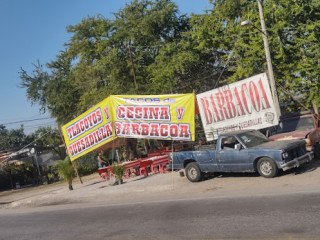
(23, 121)
(22, 118)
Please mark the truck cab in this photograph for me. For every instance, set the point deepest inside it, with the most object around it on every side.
(304, 125)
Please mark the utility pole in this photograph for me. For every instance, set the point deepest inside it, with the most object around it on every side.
(132, 66)
(269, 63)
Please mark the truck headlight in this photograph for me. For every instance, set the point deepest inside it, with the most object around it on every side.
(285, 155)
(308, 141)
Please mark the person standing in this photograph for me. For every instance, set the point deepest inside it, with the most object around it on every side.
(101, 162)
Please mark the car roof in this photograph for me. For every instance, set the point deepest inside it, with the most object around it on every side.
(237, 132)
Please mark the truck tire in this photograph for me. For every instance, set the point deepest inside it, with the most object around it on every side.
(193, 172)
(267, 168)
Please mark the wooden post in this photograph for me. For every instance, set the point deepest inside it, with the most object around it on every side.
(315, 107)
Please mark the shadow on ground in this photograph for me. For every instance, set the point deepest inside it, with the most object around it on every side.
(308, 167)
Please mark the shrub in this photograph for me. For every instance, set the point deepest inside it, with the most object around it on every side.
(119, 171)
(66, 171)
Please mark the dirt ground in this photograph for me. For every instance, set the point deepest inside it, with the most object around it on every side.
(163, 186)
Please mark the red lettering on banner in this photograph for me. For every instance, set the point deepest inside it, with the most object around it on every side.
(154, 130)
(87, 142)
(144, 129)
(99, 116)
(106, 112)
(244, 97)
(206, 110)
(130, 112)
(231, 103)
(135, 129)
(118, 128)
(220, 100)
(146, 113)
(121, 112)
(94, 118)
(108, 129)
(92, 139)
(138, 112)
(180, 113)
(84, 124)
(154, 113)
(78, 129)
(164, 130)
(81, 125)
(83, 146)
(254, 96)
(165, 113)
(184, 131)
(125, 129)
(218, 119)
(239, 104)
(70, 132)
(174, 130)
(264, 96)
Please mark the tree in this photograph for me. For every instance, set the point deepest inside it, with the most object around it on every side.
(13, 139)
(293, 32)
(49, 139)
(174, 53)
(96, 63)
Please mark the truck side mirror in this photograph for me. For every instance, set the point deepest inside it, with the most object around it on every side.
(237, 146)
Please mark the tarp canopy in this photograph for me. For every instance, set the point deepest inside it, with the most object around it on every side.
(165, 117)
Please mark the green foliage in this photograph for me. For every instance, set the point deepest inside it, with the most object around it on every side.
(14, 138)
(87, 164)
(49, 139)
(96, 60)
(5, 182)
(119, 170)
(65, 170)
(24, 174)
(174, 53)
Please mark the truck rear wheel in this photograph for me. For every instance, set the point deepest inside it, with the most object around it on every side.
(267, 168)
(193, 172)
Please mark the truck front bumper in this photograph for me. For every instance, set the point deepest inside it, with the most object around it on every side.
(297, 161)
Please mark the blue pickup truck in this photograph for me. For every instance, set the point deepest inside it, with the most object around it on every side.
(242, 151)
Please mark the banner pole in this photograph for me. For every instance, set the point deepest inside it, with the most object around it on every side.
(172, 166)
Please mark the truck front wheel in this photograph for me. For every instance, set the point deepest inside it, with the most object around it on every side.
(267, 168)
(193, 172)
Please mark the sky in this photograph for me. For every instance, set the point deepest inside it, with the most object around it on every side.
(33, 30)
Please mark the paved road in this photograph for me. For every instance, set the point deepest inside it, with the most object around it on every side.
(289, 216)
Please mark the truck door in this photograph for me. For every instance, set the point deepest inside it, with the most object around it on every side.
(231, 159)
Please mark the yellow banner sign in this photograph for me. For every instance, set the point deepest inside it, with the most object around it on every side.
(89, 131)
(166, 117)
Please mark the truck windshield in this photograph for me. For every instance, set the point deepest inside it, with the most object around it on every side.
(254, 138)
(293, 124)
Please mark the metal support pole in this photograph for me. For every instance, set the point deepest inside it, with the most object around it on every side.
(269, 63)
(132, 66)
